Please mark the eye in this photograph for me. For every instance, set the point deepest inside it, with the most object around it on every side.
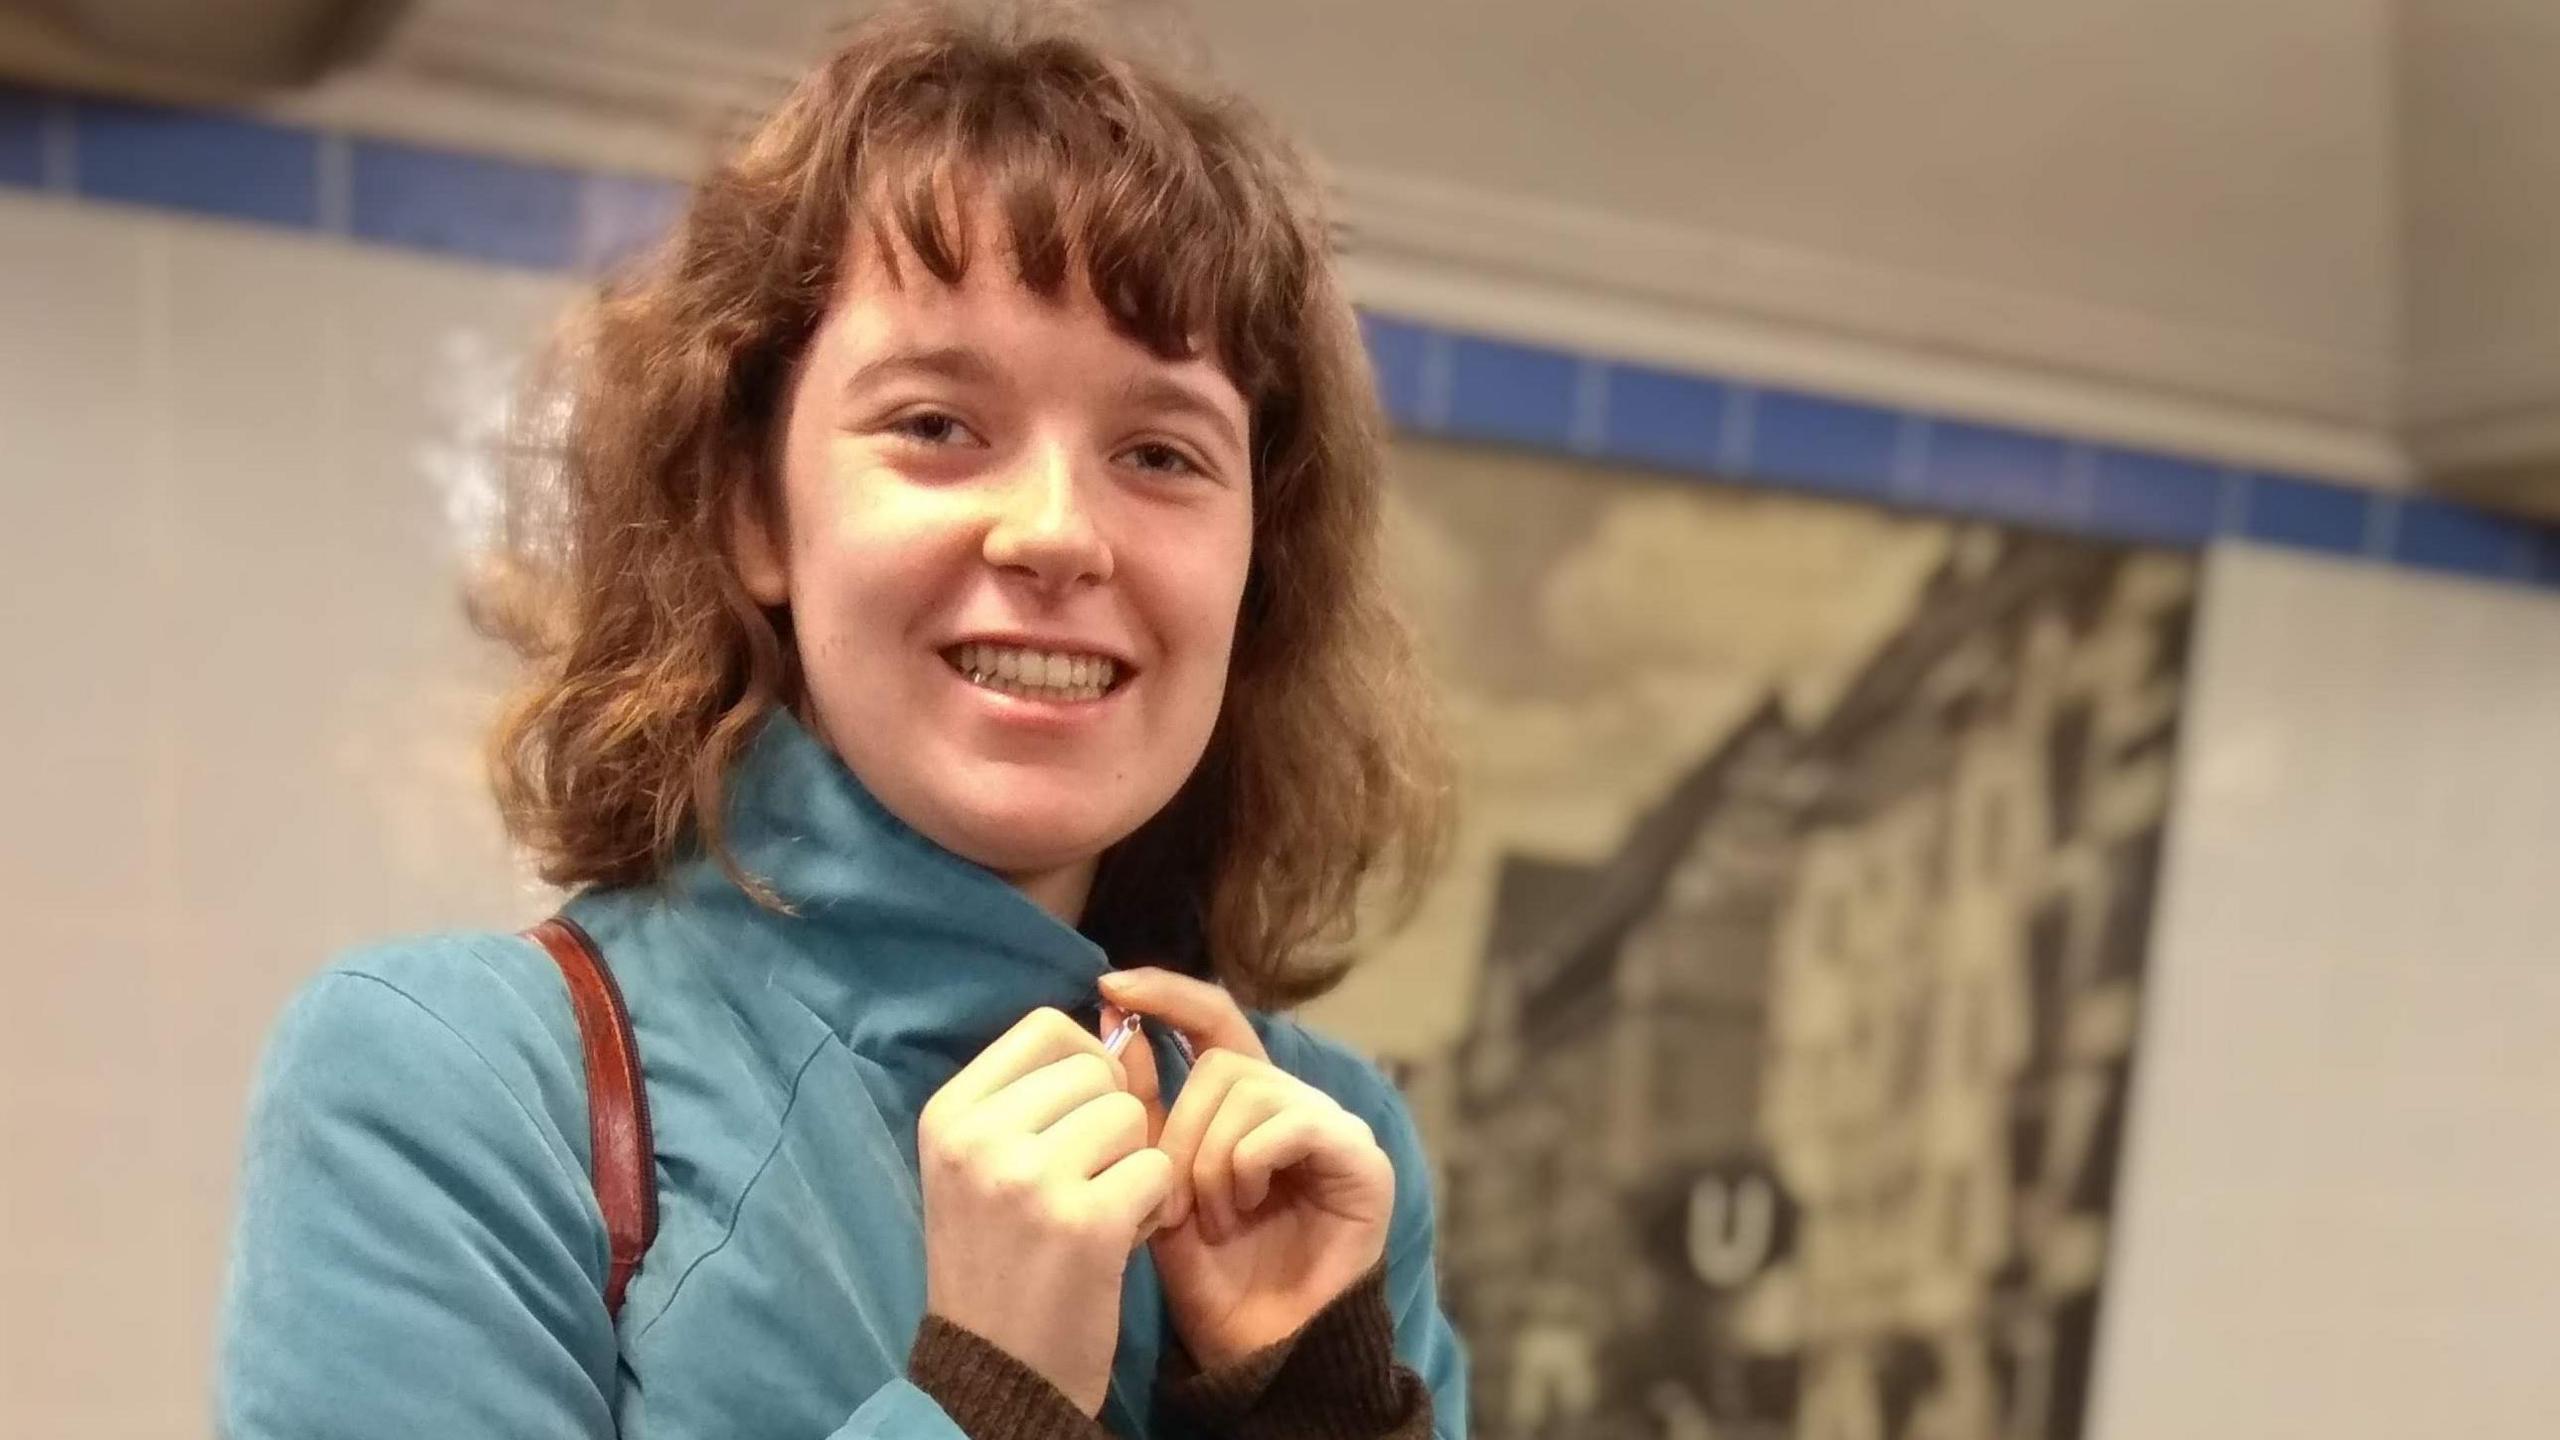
(1162, 458)
(932, 427)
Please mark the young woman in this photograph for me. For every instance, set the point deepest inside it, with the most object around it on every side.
(954, 627)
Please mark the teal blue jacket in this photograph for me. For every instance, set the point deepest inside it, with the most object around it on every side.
(419, 1251)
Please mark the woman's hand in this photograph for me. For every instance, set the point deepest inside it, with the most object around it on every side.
(1282, 1196)
(1038, 1185)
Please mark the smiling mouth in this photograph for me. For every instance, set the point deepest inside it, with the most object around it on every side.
(1057, 676)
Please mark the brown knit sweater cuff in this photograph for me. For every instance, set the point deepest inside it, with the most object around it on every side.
(989, 1394)
(1336, 1379)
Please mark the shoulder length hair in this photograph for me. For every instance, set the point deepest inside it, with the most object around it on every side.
(647, 665)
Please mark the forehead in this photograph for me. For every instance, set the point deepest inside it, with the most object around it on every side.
(961, 262)
(889, 296)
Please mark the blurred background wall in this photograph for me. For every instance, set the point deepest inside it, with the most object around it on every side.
(2274, 283)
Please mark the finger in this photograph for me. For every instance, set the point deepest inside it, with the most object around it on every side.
(1252, 1101)
(1132, 1192)
(1193, 1109)
(1116, 1027)
(1205, 1014)
(1332, 1144)
(1035, 1040)
(1095, 1136)
(1138, 1062)
(1047, 1095)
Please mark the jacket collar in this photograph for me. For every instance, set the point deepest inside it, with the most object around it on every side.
(897, 944)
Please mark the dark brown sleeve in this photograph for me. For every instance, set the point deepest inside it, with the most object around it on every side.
(989, 1394)
(1337, 1379)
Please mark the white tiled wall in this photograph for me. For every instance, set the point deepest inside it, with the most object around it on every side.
(236, 468)
(239, 729)
(2341, 1211)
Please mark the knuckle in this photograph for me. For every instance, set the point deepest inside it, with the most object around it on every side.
(1091, 1072)
(1124, 1112)
(1010, 1173)
(934, 1117)
(941, 1138)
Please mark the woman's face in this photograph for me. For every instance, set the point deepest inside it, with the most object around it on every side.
(1013, 548)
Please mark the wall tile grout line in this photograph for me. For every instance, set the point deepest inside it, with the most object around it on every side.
(61, 147)
(1588, 427)
(1437, 381)
(335, 164)
(1741, 416)
(1909, 476)
(2080, 486)
(2231, 515)
(2382, 528)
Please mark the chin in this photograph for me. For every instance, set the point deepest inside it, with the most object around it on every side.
(1020, 833)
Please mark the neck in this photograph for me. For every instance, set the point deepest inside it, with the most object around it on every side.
(1062, 892)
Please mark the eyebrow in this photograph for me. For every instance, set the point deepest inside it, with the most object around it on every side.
(965, 364)
(1161, 392)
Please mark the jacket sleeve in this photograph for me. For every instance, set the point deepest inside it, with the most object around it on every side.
(418, 1251)
(1425, 1340)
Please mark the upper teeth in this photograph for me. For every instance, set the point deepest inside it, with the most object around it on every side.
(1048, 669)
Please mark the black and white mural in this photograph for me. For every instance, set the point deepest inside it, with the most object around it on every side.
(1772, 1031)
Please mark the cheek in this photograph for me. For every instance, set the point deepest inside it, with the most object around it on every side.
(1202, 608)
(1226, 560)
(865, 555)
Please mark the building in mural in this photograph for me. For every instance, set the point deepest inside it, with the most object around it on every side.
(1798, 1114)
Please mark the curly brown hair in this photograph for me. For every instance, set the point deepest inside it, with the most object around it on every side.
(648, 666)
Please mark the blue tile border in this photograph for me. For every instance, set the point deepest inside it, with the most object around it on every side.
(2541, 559)
(198, 161)
(2159, 499)
(2439, 535)
(2309, 515)
(1663, 418)
(1835, 447)
(1516, 394)
(22, 127)
(1433, 381)
(2004, 474)
(1396, 357)
(440, 201)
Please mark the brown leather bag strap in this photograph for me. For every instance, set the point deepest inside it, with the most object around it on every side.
(625, 1165)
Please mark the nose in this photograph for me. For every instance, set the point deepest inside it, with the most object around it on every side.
(1044, 529)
